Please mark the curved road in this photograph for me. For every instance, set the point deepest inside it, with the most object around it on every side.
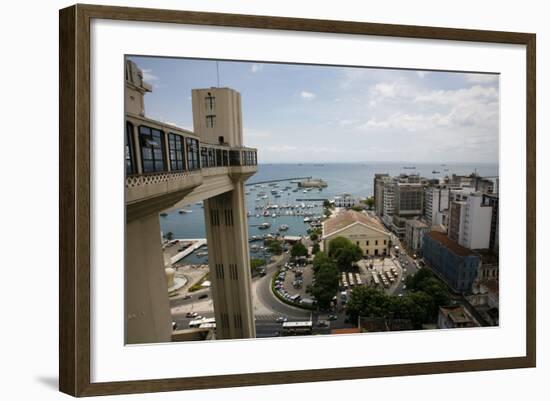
(266, 303)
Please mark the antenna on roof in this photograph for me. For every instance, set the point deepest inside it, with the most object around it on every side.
(218, 73)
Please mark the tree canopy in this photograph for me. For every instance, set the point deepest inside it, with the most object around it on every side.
(420, 305)
(275, 247)
(344, 252)
(326, 276)
(298, 250)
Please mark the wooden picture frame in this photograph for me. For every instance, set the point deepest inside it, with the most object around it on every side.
(74, 204)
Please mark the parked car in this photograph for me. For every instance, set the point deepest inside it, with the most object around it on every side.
(191, 314)
(202, 296)
(281, 319)
(332, 317)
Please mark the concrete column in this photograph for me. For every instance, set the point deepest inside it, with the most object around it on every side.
(147, 306)
(229, 261)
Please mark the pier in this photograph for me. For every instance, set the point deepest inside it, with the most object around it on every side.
(311, 199)
(277, 180)
(190, 249)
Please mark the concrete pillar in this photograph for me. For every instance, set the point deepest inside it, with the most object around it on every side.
(147, 306)
(229, 261)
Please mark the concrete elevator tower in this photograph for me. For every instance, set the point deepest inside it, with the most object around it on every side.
(217, 120)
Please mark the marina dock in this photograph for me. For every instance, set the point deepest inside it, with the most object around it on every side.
(277, 180)
(180, 255)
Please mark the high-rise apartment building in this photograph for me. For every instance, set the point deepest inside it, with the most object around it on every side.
(436, 201)
(469, 219)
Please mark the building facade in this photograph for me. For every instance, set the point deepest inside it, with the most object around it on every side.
(362, 230)
(457, 265)
(436, 202)
(345, 200)
(470, 219)
(379, 193)
(414, 233)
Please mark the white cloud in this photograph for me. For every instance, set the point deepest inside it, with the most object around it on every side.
(256, 67)
(385, 89)
(149, 77)
(454, 97)
(307, 95)
(482, 78)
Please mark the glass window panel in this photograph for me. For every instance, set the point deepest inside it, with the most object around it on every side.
(147, 166)
(147, 153)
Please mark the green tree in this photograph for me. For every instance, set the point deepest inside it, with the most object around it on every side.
(314, 236)
(275, 247)
(169, 236)
(298, 250)
(344, 252)
(325, 286)
(368, 302)
(316, 248)
(320, 259)
(369, 202)
(327, 204)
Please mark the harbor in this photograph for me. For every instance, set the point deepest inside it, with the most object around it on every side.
(276, 205)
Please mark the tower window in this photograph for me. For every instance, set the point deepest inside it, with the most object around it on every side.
(210, 101)
(210, 121)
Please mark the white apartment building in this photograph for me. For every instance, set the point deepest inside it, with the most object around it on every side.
(469, 219)
(389, 198)
(436, 201)
(345, 200)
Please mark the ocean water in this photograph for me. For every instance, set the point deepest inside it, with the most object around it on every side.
(353, 178)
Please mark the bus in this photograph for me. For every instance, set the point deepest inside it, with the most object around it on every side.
(375, 278)
(297, 328)
(195, 324)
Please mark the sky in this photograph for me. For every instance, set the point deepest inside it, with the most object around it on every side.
(311, 113)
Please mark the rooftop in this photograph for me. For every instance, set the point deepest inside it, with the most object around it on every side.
(348, 217)
(417, 223)
(457, 314)
(454, 247)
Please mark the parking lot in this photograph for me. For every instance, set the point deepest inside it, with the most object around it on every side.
(292, 281)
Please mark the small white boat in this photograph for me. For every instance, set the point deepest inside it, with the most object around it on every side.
(283, 227)
(184, 211)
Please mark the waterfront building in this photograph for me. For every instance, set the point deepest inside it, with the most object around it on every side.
(455, 316)
(168, 167)
(478, 183)
(378, 190)
(346, 200)
(361, 229)
(312, 183)
(388, 189)
(414, 233)
(436, 202)
(409, 199)
(469, 219)
(457, 265)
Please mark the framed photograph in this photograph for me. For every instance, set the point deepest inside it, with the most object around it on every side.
(250, 200)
